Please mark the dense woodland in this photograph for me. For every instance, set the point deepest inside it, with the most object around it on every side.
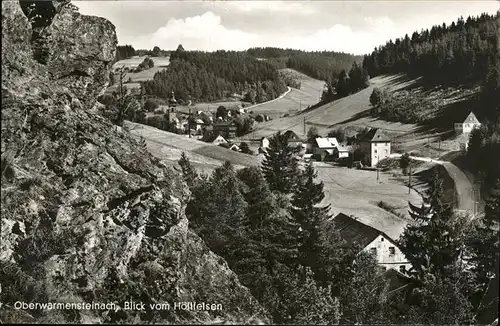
(208, 76)
(446, 54)
(124, 52)
(322, 65)
(267, 225)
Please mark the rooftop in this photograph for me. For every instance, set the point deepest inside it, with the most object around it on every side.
(471, 118)
(375, 135)
(354, 231)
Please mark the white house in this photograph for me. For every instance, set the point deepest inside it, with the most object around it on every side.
(214, 139)
(376, 146)
(376, 242)
(325, 147)
(343, 151)
(469, 123)
(264, 142)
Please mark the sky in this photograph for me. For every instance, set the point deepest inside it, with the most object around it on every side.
(346, 26)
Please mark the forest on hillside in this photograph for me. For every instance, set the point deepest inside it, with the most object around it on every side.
(208, 76)
(322, 65)
(446, 54)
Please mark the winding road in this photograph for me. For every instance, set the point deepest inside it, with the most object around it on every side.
(463, 187)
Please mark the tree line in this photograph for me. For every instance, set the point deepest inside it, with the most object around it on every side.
(124, 52)
(322, 65)
(268, 225)
(208, 76)
(446, 54)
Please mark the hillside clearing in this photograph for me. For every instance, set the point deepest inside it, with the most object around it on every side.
(169, 146)
(357, 192)
(353, 112)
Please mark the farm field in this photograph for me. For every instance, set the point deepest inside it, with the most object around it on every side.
(294, 101)
(160, 64)
(356, 192)
(169, 146)
(135, 61)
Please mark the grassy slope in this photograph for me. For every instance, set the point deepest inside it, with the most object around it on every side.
(148, 74)
(353, 111)
(296, 100)
(169, 146)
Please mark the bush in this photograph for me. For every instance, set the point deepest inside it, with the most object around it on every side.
(150, 105)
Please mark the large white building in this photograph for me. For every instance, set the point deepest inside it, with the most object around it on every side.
(376, 146)
(468, 125)
(376, 242)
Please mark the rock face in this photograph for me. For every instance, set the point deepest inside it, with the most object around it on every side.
(87, 214)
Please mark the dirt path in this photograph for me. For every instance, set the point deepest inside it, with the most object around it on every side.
(463, 187)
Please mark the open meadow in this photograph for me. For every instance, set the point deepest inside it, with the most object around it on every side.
(357, 192)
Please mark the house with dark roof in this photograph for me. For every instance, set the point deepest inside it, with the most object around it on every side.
(376, 146)
(293, 139)
(468, 125)
(213, 139)
(357, 234)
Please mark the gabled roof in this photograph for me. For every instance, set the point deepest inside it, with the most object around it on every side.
(471, 118)
(227, 123)
(210, 138)
(354, 231)
(323, 142)
(375, 135)
(329, 143)
(290, 135)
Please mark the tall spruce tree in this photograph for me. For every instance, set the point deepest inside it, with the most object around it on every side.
(309, 216)
(432, 201)
(431, 244)
(280, 165)
(189, 173)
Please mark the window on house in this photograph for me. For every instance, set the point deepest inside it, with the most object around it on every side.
(402, 269)
(375, 152)
(373, 251)
(381, 239)
(392, 251)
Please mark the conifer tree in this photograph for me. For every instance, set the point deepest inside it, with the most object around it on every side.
(280, 164)
(189, 173)
(311, 218)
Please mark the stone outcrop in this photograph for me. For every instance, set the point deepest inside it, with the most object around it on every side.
(87, 214)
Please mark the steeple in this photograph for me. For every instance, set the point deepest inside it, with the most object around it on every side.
(172, 102)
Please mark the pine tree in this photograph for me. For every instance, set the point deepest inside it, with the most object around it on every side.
(311, 218)
(280, 164)
(189, 173)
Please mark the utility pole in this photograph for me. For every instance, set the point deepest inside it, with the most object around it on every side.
(189, 122)
(409, 179)
(377, 169)
(304, 125)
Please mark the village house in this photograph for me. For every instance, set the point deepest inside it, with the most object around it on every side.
(214, 139)
(342, 151)
(468, 125)
(385, 250)
(293, 139)
(375, 146)
(264, 142)
(225, 128)
(324, 148)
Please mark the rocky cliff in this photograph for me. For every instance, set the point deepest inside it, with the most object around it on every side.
(87, 214)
